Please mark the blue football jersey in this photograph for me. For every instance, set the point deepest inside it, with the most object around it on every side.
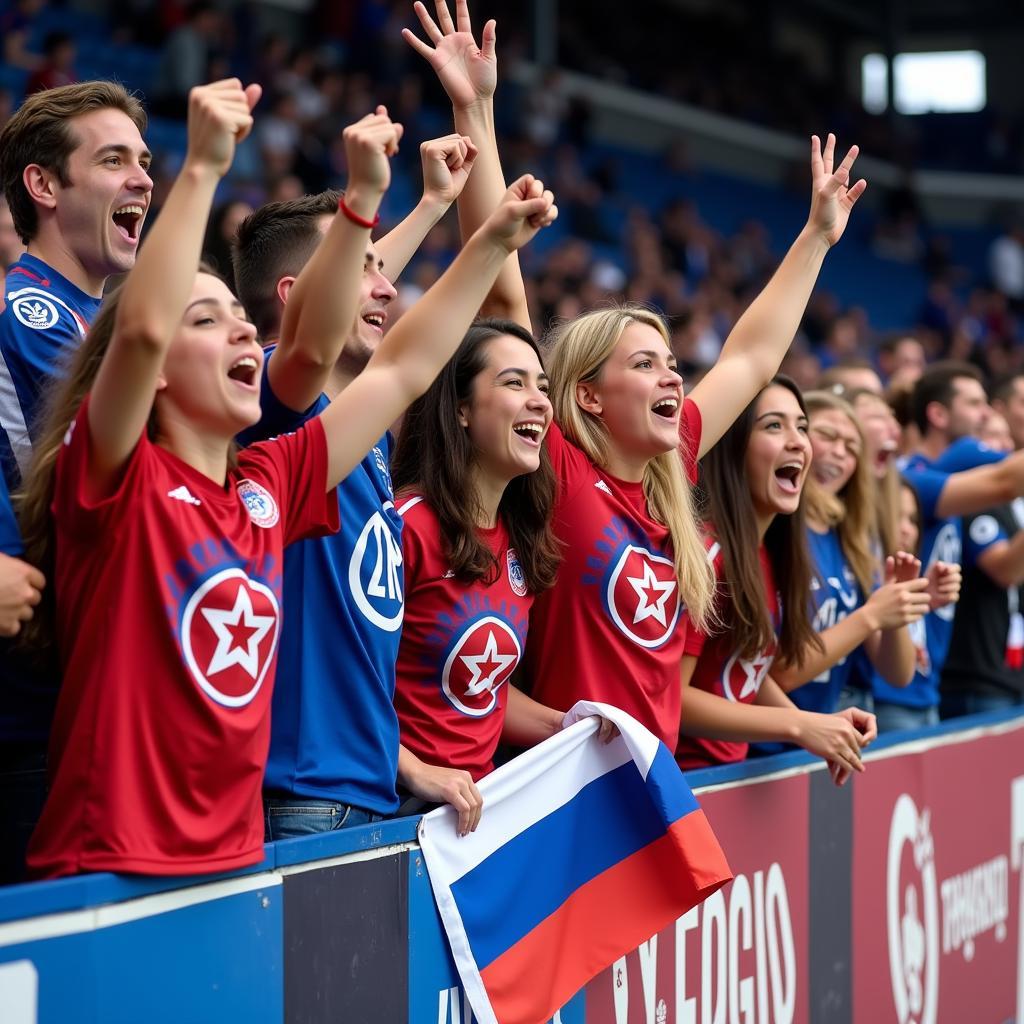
(44, 320)
(941, 541)
(836, 594)
(334, 729)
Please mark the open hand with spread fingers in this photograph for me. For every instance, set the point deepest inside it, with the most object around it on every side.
(469, 73)
(832, 195)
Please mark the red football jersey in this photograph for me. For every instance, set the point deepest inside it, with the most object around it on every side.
(168, 617)
(610, 629)
(720, 670)
(461, 642)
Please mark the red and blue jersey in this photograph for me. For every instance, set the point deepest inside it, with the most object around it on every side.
(43, 321)
(460, 645)
(611, 629)
(169, 599)
(334, 733)
(723, 671)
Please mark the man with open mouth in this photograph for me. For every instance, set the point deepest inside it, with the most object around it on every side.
(75, 173)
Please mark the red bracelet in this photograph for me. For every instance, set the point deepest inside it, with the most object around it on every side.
(355, 218)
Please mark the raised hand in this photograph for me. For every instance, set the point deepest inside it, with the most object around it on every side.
(524, 209)
(896, 604)
(447, 163)
(832, 196)
(469, 73)
(944, 579)
(219, 117)
(902, 568)
(369, 145)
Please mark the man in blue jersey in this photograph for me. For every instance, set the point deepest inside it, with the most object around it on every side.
(954, 475)
(75, 173)
(334, 735)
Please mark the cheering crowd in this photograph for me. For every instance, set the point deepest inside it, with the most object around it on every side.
(274, 564)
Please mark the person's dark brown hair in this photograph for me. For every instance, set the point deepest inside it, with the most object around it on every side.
(729, 510)
(434, 456)
(936, 384)
(40, 132)
(274, 242)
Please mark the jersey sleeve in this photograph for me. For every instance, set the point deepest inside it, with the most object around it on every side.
(967, 453)
(928, 484)
(38, 329)
(694, 642)
(295, 466)
(690, 427)
(570, 464)
(76, 509)
(275, 417)
(981, 532)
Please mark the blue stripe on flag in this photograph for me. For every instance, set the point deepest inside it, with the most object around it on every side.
(607, 821)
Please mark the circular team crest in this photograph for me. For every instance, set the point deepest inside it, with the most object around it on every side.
(229, 635)
(516, 576)
(259, 503)
(742, 678)
(642, 596)
(984, 530)
(375, 573)
(35, 311)
(912, 907)
(479, 664)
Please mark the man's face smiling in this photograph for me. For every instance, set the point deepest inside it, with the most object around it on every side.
(376, 293)
(100, 212)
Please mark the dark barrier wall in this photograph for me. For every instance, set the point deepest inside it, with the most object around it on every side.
(894, 899)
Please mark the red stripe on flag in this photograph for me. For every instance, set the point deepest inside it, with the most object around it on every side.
(605, 919)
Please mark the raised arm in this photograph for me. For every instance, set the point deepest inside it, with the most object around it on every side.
(975, 490)
(469, 74)
(426, 337)
(757, 344)
(154, 297)
(314, 332)
(446, 165)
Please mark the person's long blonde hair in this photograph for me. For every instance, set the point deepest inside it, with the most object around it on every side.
(851, 513)
(577, 352)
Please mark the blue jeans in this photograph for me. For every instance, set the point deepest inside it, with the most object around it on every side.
(957, 703)
(892, 717)
(283, 819)
(856, 697)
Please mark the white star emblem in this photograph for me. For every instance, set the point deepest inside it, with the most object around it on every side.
(233, 649)
(491, 660)
(645, 588)
(753, 674)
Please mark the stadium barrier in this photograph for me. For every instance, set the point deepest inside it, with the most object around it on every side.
(896, 898)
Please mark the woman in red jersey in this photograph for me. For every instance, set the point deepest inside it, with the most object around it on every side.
(628, 441)
(753, 482)
(475, 488)
(166, 546)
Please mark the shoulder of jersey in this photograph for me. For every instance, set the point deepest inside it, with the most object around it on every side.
(413, 508)
(29, 303)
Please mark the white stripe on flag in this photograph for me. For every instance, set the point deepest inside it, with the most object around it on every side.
(556, 770)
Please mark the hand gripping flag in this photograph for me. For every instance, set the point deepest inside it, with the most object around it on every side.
(585, 850)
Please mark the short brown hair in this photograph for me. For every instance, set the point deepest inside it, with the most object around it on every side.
(276, 241)
(39, 133)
